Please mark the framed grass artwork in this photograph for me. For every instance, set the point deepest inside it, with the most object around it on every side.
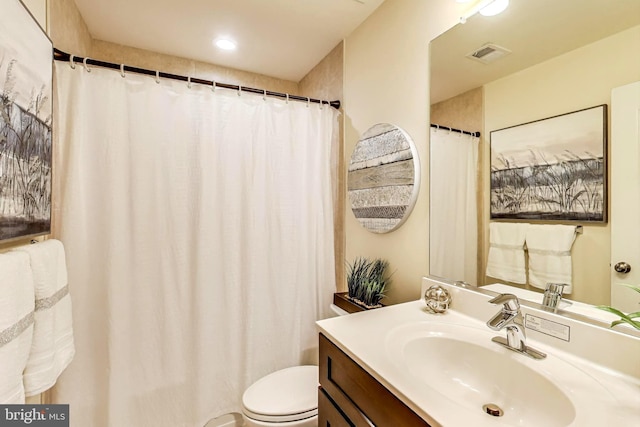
(552, 169)
(26, 59)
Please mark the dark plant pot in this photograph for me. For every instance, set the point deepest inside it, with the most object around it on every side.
(342, 300)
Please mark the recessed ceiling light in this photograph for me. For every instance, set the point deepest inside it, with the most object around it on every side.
(226, 44)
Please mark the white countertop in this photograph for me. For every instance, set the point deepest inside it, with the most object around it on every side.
(365, 338)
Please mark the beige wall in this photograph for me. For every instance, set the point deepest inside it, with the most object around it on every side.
(387, 80)
(325, 81)
(461, 112)
(579, 79)
(67, 29)
(111, 52)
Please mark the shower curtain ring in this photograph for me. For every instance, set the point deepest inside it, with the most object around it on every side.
(213, 86)
(86, 67)
(158, 77)
(239, 90)
(308, 101)
(287, 98)
(122, 70)
(264, 94)
(189, 82)
(71, 63)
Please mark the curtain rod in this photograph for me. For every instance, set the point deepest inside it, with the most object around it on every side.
(476, 134)
(59, 55)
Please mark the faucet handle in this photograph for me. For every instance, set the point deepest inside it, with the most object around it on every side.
(553, 295)
(556, 288)
(509, 301)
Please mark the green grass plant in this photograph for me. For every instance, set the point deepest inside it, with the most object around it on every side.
(367, 280)
(632, 319)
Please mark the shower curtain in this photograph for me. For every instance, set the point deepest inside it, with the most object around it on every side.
(199, 235)
(453, 206)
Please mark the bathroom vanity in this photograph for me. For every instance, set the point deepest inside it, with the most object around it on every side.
(404, 366)
(347, 392)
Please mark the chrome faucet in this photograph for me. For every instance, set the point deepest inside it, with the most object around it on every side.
(510, 318)
(553, 295)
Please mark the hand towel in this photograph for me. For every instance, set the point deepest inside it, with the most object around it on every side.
(53, 346)
(549, 248)
(506, 251)
(16, 324)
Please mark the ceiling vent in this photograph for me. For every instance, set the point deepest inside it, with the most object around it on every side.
(488, 53)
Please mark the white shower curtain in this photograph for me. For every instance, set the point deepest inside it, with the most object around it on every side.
(199, 237)
(453, 206)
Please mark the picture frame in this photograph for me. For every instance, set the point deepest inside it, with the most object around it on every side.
(26, 105)
(553, 169)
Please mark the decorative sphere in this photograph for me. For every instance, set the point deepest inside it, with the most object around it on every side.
(437, 299)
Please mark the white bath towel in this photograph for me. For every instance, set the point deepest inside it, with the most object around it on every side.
(506, 259)
(53, 346)
(549, 248)
(16, 324)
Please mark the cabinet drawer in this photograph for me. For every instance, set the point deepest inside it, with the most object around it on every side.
(328, 414)
(347, 384)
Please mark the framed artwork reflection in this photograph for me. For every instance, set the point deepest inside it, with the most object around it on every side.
(554, 169)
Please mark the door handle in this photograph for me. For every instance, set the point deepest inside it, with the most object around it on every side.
(622, 267)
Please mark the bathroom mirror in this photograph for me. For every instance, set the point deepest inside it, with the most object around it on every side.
(536, 60)
(383, 178)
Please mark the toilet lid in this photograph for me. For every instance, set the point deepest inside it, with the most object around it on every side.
(291, 393)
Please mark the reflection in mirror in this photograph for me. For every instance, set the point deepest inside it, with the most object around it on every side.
(383, 178)
(545, 58)
(453, 156)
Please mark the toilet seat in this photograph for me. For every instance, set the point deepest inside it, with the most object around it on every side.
(287, 395)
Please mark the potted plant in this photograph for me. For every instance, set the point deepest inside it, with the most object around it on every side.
(367, 282)
(632, 319)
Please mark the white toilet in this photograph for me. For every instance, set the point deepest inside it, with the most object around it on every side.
(285, 398)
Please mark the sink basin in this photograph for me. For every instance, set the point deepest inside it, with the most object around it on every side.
(482, 378)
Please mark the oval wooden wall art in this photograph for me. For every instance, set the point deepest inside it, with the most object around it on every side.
(384, 178)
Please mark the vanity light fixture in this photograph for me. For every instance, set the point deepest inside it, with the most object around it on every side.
(485, 8)
(225, 44)
(494, 8)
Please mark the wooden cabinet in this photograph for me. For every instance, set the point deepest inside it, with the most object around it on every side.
(349, 396)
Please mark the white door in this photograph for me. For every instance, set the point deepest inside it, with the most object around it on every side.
(625, 196)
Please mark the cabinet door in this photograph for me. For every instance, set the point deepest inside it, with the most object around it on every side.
(328, 414)
(363, 400)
